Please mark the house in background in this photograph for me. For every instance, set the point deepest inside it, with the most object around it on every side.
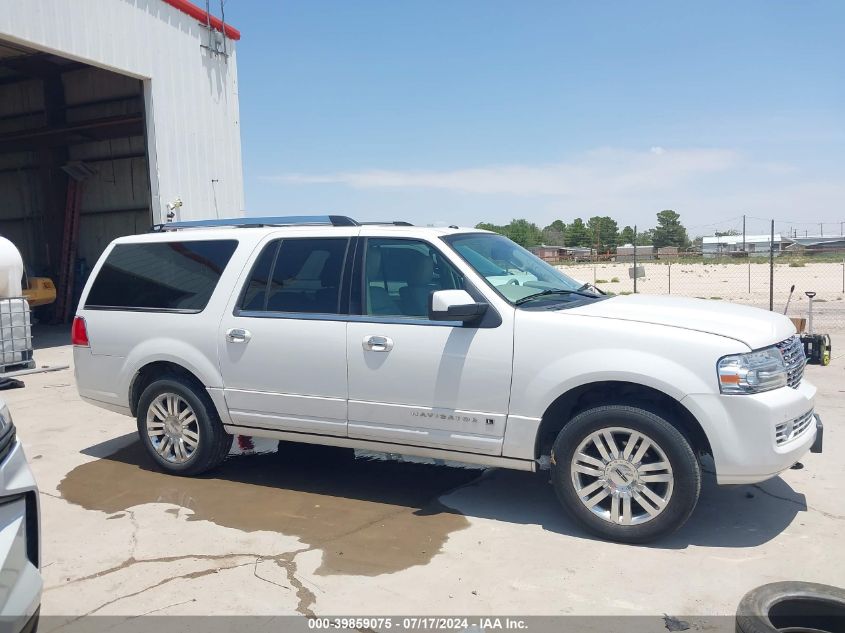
(727, 245)
(554, 254)
(625, 253)
(811, 245)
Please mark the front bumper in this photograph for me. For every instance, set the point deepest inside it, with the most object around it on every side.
(817, 445)
(20, 579)
(742, 430)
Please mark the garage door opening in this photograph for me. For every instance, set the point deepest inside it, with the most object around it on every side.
(73, 166)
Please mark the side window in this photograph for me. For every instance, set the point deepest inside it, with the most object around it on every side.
(255, 293)
(400, 275)
(297, 275)
(166, 276)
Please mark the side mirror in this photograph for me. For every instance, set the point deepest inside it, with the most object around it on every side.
(454, 305)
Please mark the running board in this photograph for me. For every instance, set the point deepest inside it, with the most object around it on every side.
(385, 447)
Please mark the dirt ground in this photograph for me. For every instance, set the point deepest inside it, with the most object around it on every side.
(375, 537)
(746, 283)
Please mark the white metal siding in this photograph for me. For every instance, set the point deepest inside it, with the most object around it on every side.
(191, 95)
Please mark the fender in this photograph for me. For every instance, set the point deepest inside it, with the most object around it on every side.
(177, 352)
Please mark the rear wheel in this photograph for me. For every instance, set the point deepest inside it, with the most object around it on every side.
(625, 473)
(180, 428)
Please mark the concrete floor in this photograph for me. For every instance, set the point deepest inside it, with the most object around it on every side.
(384, 537)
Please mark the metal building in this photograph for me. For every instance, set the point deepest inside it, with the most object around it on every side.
(724, 245)
(111, 111)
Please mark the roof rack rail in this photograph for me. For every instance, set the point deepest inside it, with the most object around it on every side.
(282, 220)
(391, 223)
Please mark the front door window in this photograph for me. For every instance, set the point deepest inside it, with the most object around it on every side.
(400, 275)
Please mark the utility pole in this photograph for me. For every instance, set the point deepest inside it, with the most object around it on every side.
(743, 233)
(635, 259)
(772, 269)
(821, 229)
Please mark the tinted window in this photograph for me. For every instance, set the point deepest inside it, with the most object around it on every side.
(178, 276)
(400, 275)
(297, 275)
(255, 293)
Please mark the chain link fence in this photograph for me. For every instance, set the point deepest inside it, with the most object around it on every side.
(757, 274)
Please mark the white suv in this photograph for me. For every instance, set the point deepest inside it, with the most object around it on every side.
(440, 342)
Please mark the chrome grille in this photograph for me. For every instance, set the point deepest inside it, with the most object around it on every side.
(792, 351)
(788, 431)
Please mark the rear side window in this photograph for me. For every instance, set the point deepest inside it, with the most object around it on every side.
(297, 275)
(171, 276)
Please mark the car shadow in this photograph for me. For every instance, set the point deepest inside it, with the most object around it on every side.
(325, 491)
(726, 516)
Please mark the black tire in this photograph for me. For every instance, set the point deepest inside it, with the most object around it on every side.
(214, 442)
(686, 472)
(792, 606)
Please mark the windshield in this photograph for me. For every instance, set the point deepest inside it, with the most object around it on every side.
(514, 272)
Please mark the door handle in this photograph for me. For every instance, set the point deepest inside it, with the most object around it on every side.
(238, 335)
(378, 343)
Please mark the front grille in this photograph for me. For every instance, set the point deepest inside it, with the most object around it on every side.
(792, 351)
(788, 431)
(7, 441)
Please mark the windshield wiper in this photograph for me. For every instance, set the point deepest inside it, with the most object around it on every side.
(588, 285)
(553, 291)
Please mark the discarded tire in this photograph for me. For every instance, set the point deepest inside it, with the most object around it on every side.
(792, 606)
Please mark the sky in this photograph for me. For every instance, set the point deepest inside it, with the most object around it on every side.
(463, 111)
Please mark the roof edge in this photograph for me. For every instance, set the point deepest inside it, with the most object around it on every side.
(204, 18)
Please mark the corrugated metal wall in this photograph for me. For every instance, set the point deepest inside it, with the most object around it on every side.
(191, 95)
(116, 198)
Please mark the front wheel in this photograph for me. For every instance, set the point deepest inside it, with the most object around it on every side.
(625, 473)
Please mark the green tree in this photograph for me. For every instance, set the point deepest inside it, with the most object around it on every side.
(576, 233)
(521, 231)
(645, 238)
(626, 236)
(524, 233)
(486, 226)
(557, 225)
(603, 231)
(669, 230)
(555, 234)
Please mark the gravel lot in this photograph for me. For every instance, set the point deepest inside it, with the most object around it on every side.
(387, 537)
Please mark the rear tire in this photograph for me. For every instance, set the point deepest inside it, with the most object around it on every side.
(625, 473)
(180, 428)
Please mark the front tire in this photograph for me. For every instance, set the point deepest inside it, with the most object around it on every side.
(625, 473)
(180, 428)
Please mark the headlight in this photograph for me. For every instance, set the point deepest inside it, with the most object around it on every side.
(5, 419)
(754, 372)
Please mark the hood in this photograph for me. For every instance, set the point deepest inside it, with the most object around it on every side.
(752, 326)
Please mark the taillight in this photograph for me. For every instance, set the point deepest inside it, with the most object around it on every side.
(78, 332)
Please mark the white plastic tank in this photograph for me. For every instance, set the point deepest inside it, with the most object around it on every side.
(11, 269)
(15, 320)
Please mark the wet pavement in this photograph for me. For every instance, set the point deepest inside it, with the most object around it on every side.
(369, 516)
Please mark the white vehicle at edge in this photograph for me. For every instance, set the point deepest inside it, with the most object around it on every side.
(412, 340)
(20, 534)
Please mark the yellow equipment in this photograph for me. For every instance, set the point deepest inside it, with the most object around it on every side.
(40, 291)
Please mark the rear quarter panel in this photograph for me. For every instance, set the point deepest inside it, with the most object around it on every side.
(123, 341)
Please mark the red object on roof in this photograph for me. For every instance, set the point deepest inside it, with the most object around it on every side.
(204, 18)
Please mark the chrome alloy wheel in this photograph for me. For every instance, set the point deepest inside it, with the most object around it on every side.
(173, 428)
(622, 476)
